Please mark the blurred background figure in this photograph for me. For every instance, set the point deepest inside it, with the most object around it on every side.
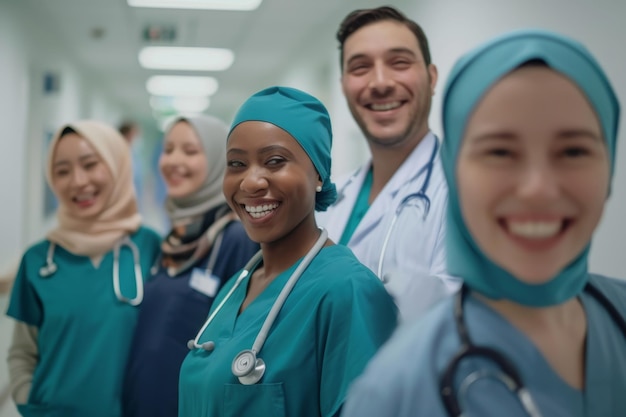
(206, 246)
(130, 130)
(76, 293)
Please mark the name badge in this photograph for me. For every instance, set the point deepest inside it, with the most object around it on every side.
(204, 282)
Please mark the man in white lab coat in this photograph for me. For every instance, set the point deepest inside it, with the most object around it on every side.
(388, 81)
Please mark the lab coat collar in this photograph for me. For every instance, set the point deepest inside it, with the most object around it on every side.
(405, 180)
(350, 186)
(418, 158)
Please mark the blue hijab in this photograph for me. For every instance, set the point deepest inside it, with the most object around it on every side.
(471, 77)
(306, 119)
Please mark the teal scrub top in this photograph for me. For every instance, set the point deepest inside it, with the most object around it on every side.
(336, 317)
(361, 205)
(403, 380)
(84, 331)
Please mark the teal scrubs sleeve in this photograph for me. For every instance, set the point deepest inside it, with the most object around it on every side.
(25, 303)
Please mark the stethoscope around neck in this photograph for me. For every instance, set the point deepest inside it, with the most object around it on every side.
(50, 268)
(246, 366)
(421, 195)
(507, 373)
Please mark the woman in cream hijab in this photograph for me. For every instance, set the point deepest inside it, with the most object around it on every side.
(206, 246)
(76, 292)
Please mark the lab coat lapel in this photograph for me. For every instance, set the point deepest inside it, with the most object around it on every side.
(408, 171)
(384, 202)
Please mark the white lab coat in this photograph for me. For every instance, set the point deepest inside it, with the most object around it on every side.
(415, 263)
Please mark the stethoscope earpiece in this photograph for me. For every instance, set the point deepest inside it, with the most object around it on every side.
(48, 269)
(248, 368)
(207, 346)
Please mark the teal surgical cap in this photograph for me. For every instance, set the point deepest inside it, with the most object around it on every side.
(306, 119)
(470, 79)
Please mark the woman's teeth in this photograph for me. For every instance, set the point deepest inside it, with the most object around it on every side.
(535, 229)
(261, 211)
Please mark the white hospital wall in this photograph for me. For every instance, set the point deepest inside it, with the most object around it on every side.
(28, 50)
(455, 26)
(321, 78)
(13, 104)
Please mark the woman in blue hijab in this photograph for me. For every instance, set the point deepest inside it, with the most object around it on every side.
(530, 123)
(288, 335)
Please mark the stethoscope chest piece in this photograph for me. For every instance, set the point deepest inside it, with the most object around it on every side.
(248, 368)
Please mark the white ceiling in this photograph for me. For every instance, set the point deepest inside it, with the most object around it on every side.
(265, 41)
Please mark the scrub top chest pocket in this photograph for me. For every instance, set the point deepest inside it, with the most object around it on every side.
(257, 399)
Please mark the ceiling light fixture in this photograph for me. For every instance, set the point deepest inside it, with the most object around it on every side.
(186, 58)
(180, 104)
(244, 5)
(181, 86)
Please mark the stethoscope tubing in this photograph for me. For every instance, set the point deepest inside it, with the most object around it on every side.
(138, 274)
(252, 263)
(278, 303)
(508, 374)
(51, 267)
(428, 168)
(284, 293)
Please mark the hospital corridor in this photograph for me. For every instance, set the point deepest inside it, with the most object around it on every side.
(109, 92)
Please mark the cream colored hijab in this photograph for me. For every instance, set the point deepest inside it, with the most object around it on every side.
(96, 236)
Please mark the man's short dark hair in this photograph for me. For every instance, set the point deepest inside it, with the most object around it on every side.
(363, 17)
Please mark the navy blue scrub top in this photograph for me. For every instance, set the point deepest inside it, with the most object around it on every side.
(172, 312)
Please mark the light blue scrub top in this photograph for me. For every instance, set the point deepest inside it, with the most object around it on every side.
(84, 331)
(336, 317)
(403, 379)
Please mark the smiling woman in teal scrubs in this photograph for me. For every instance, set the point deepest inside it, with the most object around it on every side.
(337, 314)
(76, 293)
(530, 124)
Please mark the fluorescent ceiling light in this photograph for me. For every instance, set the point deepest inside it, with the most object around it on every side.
(180, 104)
(181, 86)
(245, 5)
(183, 58)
